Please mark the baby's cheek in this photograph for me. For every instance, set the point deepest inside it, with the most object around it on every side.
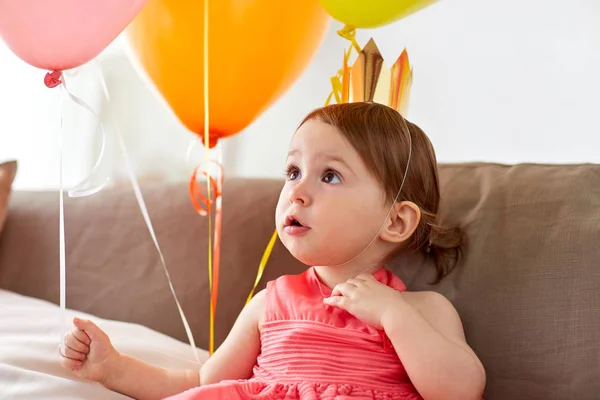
(279, 213)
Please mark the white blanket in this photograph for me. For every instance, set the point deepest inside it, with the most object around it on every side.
(30, 333)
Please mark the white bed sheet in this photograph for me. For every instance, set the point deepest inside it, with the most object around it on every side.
(30, 333)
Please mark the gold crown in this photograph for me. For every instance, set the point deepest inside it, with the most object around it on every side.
(370, 80)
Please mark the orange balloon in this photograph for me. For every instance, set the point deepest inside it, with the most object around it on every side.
(257, 49)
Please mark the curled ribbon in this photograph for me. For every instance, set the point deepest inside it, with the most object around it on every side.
(214, 246)
(54, 79)
(340, 84)
(196, 193)
(348, 32)
(51, 80)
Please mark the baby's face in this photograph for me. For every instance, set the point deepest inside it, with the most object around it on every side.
(331, 207)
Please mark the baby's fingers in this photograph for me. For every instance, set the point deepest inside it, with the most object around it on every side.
(344, 289)
(75, 344)
(71, 354)
(70, 364)
(336, 301)
(81, 336)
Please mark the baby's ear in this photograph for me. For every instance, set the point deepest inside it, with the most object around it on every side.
(402, 222)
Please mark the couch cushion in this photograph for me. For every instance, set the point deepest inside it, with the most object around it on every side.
(527, 288)
(8, 170)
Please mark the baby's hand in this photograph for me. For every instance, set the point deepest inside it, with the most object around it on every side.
(365, 298)
(88, 351)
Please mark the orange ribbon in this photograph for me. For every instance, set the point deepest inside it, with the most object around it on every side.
(214, 248)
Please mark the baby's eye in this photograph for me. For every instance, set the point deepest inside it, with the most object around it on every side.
(331, 177)
(292, 173)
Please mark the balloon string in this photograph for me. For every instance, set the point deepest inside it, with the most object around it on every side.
(262, 265)
(144, 210)
(204, 206)
(212, 283)
(54, 79)
(61, 240)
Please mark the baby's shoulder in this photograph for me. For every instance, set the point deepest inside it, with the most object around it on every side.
(437, 310)
(426, 299)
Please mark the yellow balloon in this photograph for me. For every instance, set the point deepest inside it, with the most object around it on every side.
(372, 13)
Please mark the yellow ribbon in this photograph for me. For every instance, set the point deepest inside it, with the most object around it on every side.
(348, 32)
(263, 265)
(336, 85)
(339, 88)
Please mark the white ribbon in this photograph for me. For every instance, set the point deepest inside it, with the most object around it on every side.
(142, 205)
(76, 191)
(80, 191)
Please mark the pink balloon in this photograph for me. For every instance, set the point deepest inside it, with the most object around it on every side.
(63, 34)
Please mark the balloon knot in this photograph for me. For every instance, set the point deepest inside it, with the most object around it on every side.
(212, 141)
(53, 79)
(347, 32)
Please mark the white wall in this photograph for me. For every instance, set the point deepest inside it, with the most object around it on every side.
(505, 81)
(30, 118)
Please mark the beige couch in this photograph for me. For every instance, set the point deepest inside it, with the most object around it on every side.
(528, 289)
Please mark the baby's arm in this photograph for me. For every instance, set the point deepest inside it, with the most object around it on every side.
(427, 334)
(236, 357)
(90, 355)
(140, 380)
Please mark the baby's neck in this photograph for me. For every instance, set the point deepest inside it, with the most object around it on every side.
(331, 276)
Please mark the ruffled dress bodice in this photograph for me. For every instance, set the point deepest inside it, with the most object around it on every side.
(313, 351)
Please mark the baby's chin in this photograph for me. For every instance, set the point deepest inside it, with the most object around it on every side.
(319, 258)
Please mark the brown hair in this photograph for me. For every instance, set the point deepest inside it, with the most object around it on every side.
(379, 134)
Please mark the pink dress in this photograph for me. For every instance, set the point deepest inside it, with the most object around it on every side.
(312, 351)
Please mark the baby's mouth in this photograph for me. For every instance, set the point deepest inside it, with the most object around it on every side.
(295, 223)
(294, 226)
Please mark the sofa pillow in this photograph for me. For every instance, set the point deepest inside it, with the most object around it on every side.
(8, 170)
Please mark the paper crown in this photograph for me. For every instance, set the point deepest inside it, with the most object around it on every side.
(370, 80)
